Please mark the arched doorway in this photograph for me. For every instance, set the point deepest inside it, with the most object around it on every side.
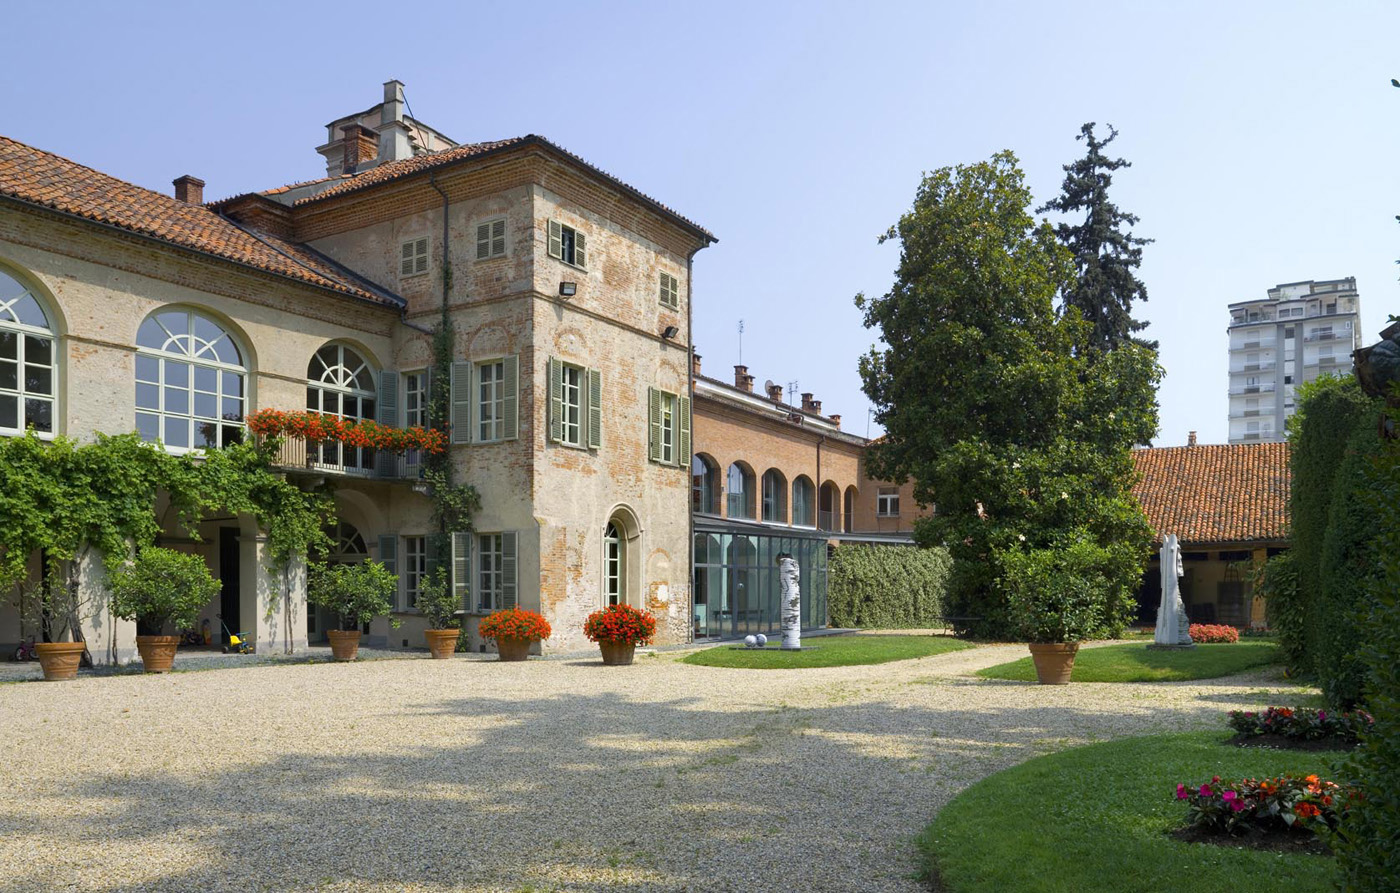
(347, 547)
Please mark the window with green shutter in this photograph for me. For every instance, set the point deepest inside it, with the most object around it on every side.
(389, 555)
(491, 238)
(669, 422)
(496, 571)
(461, 403)
(509, 566)
(595, 409)
(567, 244)
(490, 401)
(670, 291)
(568, 404)
(510, 403)
(462, 569)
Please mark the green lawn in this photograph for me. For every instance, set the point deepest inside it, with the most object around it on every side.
(827, 651)
(1096, 818)
(1135, 663)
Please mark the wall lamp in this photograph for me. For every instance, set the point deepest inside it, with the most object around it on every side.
(670, 332)
(568, 289)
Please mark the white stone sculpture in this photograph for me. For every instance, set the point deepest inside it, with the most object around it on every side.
(1173, 626)
(791, 603)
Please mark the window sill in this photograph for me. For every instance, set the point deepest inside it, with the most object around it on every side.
(13, 432)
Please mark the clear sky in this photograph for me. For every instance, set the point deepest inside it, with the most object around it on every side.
(1263, 135)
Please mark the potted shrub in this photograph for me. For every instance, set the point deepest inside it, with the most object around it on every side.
(160, 588)
(356, 593)
(618, 630)
(1057, 598)
(515, 631)
(54, 608)
(440, 609)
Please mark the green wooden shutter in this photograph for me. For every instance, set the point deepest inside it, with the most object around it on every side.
(508, 570)
(406, 260)
(388, 399)
(420, 261)
(683, 441)
(462, 568)
(498, 237)
(510, 392)
(460, 411)
(580, 253)
(483, 241)
(389, 557)
(556, 400)
(595, 409)
(654, 409)
(556, 239)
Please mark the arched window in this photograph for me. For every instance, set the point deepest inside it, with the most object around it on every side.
(340, 382)
(27, 360)
(848, 511)
(614, 566)
(739, 483)
(704, 487)
(347, 545)
(774, 496)
(828, 511)
(803, 507)
(190, 381)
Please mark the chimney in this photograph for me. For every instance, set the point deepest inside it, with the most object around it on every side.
(742, 379)
(835, 420)
(361, 147)
(189, 189)
(810, 405)
(695, 363)
(1191, 439)
(394, 144)
(775, 393)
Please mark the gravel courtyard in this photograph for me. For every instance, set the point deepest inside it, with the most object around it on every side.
(548, 775)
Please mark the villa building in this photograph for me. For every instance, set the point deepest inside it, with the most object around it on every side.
(571, 386)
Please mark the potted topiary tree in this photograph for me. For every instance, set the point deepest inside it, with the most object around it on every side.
(514, 630)
(356, 593)
(618, 630)
(1057, 598)
(55, 608)
(159, 588)
(440, 609)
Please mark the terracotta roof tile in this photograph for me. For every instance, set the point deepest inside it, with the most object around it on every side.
(395, 170)
(46, 180)
(1216, 494)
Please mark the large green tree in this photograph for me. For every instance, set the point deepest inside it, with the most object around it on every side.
(987, 399)
(1106, 253)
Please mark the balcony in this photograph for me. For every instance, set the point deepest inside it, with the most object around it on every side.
(331, 458)
(1327, 336)
(1250, 413)
(1266, 366)
(1252, 389)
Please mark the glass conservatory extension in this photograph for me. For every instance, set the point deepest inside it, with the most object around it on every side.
(736, 586)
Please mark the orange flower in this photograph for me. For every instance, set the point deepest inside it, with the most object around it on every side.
(1306, 810)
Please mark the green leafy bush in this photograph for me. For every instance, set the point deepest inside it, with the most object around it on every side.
(436, 602)
(1277, 581)
(886, 587)
(356, 593)
(161, 587)
(1369, 858)
(1058, 594)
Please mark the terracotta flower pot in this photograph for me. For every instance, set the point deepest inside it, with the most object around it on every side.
(618, 654)
(513, 649)
(60, 660)
(441, 642)
(1054, 662)
(345, 644)
(157, 652)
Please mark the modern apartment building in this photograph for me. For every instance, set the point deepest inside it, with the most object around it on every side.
(1302, 330)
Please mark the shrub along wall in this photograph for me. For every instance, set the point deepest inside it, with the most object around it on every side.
(1333, 419)
(886, 587)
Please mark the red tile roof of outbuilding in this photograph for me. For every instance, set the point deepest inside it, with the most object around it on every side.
(1236, 493)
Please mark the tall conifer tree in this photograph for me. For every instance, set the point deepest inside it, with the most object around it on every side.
(1106, 253)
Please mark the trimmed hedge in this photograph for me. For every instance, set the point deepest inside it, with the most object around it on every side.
(1369, 858)
(887, 587)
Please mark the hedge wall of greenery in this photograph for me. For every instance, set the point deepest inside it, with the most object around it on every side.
(1331, 411)
(1369, 858)
(887, 587)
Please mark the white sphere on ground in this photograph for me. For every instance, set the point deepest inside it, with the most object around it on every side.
(762, 640)
(750, 641)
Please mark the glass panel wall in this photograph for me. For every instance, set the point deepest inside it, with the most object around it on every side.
(737, 587)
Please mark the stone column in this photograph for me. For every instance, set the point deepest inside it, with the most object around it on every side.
(271, 600)
(109, 639)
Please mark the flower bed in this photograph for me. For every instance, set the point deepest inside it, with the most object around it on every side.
(1301, 724)
(514, 623)
(364, 433)
(1213, 634)
(1283, 804)
(620, 625)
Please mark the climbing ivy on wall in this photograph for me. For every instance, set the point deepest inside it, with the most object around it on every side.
(887, 587)
(454, 504)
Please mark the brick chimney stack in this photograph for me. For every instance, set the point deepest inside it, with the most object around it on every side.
(775, 393)
(189, 189)
(1191, 439)
(835, 420)
(810, 405)
(742, 379)
(695, 363)
(361, 147)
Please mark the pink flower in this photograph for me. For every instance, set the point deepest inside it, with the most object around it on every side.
(1205, 790)
(1228, 796)
(1237, 805)
(1181, 792)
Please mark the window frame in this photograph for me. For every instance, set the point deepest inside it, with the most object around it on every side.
(417, 395)
(364, 458)
(420, 263)
(489, 224)
(567, 244)
(497, 401)
(670, 291)
(887, 502)
(670, 427)
(490, 558)
(163, 357)
(577, 408)
(415, 568)
(23, 332)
